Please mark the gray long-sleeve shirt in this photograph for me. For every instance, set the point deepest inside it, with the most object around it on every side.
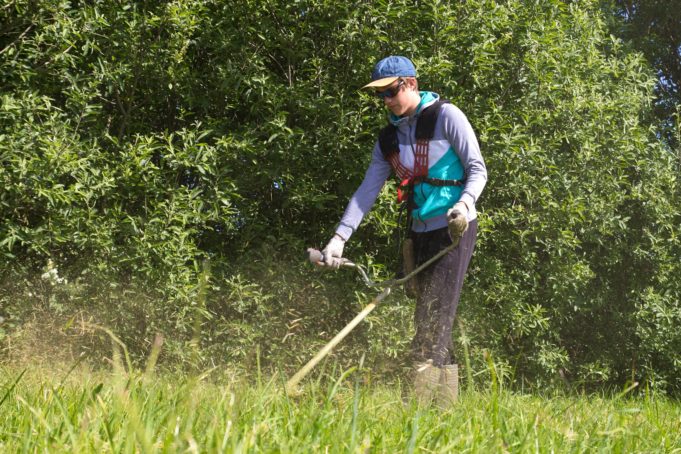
(452, 132)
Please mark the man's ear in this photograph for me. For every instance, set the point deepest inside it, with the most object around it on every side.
(411, 83)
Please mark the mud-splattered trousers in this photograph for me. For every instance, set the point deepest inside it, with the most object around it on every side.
(439, 291)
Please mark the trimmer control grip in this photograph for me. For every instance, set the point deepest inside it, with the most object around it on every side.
(315, 256)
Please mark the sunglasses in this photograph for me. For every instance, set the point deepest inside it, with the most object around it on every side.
(390, 92)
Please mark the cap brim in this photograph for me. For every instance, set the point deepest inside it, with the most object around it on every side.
(378, 83)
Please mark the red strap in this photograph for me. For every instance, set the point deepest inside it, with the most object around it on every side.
(420, 169)
(402, 195)
(421, 158)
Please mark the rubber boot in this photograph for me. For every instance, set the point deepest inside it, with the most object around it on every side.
(448, 391)
(426, 383)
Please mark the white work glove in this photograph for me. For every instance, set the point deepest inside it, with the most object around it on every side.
(457, 220)
(333, 252)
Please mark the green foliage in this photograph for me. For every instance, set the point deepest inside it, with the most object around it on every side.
(149, 147)
(654, 28)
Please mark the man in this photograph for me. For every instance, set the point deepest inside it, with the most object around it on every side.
(432, 148)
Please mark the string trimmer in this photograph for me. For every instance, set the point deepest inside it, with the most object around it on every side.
(317, 257)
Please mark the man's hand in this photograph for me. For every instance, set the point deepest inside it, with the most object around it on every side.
(333, 252)
(457, 220)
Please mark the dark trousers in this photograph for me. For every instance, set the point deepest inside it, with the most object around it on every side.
(439, 289)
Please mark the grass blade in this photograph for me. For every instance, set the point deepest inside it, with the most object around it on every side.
(11, 388)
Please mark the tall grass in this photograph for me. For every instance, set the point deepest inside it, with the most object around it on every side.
(144, 412)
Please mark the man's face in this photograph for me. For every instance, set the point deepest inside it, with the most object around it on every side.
(396, 97)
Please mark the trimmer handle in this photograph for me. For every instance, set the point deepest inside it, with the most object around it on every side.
(317, 258)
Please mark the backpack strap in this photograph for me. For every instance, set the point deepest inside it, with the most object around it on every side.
(387, 140)
(425, 126)
(425, 130)
(390, 148)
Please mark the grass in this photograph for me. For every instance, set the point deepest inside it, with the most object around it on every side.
(41, 411)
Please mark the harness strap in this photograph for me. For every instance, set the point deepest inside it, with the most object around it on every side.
(438, 181)
(425, 130)
(406, 186)
(390, 147)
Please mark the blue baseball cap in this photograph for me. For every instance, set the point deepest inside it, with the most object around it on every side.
(389, 70)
